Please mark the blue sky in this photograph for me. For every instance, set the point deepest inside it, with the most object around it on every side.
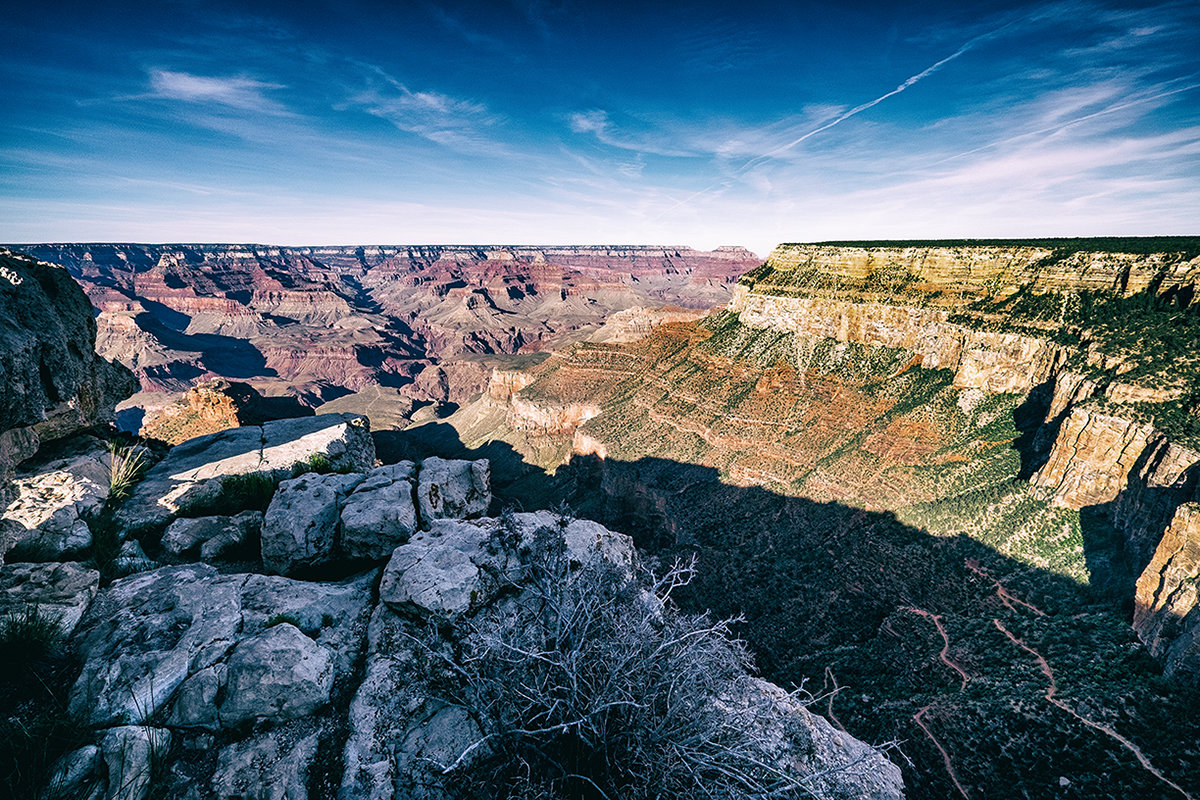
(551, 121)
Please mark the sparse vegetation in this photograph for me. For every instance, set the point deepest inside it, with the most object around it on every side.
(36, 672)
(591, 685)
(127, 466)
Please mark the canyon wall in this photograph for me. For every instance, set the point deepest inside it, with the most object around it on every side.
(1094, 347)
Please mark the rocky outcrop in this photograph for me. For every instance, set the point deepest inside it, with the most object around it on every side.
(453, 489)
(55, 497)
(1166, 613)
(321, 520)
(194, 471)
(300, 528)
(407, 741)
(59, 592)
(53, 379)
(199, 683)
(216, 405)
(54, 382)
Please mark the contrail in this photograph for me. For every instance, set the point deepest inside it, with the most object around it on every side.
(859, 109)
(847, 115)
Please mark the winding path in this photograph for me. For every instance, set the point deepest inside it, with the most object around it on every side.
(1053, 688)
(945, 756)
(944, 655)
(1006, 597)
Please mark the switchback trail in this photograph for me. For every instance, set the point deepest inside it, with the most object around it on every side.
(1053, 688)
(945, 756)
(944, 655)
(1006, 597)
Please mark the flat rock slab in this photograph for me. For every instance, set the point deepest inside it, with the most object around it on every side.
(193, 470)
(62, 591)
(53, 499)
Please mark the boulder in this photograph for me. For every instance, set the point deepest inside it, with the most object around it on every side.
(55, 498)
(439, 572)
(193, 472)
(278, 674)
(58, 591)
(380, 515)
(269, 766)
(453, 489)
(74, 774)
(299, 530)
(130, 752)
(211, 536)
(162, 641)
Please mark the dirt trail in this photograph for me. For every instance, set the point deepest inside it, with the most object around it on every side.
(833, 694)
(1005, 596)
(1053, 688)
(945, 756)
(944, 655)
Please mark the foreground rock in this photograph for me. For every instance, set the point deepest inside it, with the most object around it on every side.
(193, 471)
(471, 579)
(54, 499)
(54, 383)
(329, 520)
(60, 592)
(182, 654)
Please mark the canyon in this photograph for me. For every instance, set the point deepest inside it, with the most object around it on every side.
(320, 323)
(951, 488)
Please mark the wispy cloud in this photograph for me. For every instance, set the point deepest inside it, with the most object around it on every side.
(449, 121)
(238, 92)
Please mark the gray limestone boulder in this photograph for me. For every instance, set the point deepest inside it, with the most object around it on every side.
(193, 472)
(58, 591)
(299, 529)
(74, 775)
(270, 766)
(212, 537)
(129, 754)
(380, 514)
(161, 642)
(442, 572)
(278, 674)
(55, 498)
(453, 489)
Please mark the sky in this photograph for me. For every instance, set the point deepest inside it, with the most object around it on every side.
(561, 122)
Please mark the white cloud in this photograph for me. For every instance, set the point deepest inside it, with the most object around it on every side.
(237, 92)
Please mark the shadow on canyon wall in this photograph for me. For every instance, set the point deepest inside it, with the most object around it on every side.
(897, 631)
